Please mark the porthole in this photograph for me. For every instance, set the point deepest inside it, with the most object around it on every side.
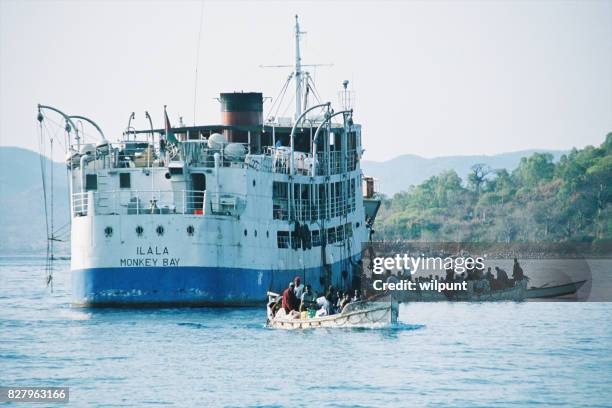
(139, 230)
(167, 175)
(255, 233)
(245, 233)
(108, 232)
(357, 225)
(267, 234)
(190, 230)
(253, 183)
(159, 230)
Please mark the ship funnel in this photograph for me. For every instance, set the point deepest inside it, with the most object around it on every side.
(241, 109)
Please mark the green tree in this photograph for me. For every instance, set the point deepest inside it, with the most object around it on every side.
(477, 176)
(535, 169)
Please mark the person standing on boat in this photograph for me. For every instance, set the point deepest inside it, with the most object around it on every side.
(489, 276)
(517, 271)
(289, 302)
(299, 287)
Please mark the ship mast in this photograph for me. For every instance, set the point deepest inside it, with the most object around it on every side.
(298, 70)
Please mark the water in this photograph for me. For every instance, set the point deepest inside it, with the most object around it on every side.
(512, 354)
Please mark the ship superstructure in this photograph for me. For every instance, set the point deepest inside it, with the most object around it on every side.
(219, 214)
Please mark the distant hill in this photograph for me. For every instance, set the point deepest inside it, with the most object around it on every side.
(22, 218)
(22, 214)
(398, 174)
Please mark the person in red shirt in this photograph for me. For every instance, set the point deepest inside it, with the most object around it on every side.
(290, 301)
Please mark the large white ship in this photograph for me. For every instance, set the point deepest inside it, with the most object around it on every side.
(220, 214)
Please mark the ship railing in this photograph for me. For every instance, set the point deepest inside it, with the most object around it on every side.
(197, 153)
(260, 162)
(278, 160)
(138, 202)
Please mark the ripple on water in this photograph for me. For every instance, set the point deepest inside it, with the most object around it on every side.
(192, 325)
(455, 355)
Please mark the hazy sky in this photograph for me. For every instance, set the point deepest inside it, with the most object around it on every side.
(431, 78)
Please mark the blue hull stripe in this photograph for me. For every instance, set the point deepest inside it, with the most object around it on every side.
(195, 286)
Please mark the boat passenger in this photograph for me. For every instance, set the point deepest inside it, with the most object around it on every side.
(517, 271)
(332, 295)
(299, 287)
(356, 297)
(502, 278)
(308, 299)
(289, 299)
(345, 301)
(489, 276)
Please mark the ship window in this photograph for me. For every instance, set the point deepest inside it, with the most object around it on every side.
(282, 239)
(108, 232)
(296, 242)
(340, 233)
(159, 230)
(316, 238)
(91, 182)
(124, 180)
(139, 230)
(190, 230)
(331, 235)
(175, 170)
(245, 233)
(255, 233)
(279, 190)
(322, 204)
(348, 230)
(280, 194)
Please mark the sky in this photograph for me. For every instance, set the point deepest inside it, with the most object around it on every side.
(430, 78)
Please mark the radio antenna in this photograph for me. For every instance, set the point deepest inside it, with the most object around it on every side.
(300, 77)
(195, 86)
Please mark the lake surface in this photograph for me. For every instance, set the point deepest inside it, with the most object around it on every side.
(511, 354)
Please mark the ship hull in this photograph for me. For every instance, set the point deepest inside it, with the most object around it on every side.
(192, 286)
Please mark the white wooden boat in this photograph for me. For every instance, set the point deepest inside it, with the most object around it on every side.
(554, 291)
(379, 312)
